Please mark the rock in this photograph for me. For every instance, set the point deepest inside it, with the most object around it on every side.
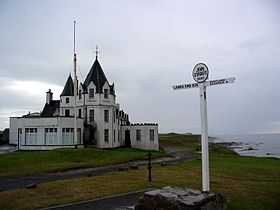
(31, 186)
(163, 164)
(123, 169)
(174, 198)
(134, 167)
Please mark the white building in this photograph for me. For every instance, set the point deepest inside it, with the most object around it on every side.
(100, 120)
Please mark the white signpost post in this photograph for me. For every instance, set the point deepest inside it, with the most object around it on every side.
(200, 75)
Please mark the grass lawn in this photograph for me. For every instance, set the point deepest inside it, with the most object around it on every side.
(249, 183)
(38, 162)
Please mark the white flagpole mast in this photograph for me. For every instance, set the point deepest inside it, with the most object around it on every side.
(75, 88)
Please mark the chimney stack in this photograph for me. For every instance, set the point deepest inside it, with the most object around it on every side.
(49, 96)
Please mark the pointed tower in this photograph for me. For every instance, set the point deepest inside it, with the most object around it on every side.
(68, 89)
(102, 108)
(97, 76)
(67, 98)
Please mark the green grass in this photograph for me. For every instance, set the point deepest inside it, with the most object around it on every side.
(249, 183)
(179, 140)
(38, 162)
(249, 187)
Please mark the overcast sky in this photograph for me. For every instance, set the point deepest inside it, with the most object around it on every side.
(145, 48)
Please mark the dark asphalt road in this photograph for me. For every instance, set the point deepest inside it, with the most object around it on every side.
(123, 202)
(11, 183)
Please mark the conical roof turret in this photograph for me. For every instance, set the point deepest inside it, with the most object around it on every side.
(68, 89)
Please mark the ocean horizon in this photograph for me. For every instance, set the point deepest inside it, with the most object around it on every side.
(258, 145)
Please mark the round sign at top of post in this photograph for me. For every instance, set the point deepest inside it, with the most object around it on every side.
(200, 73)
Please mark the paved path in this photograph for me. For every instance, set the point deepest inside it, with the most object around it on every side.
(6, 148)
(8, 183)
(119, 202)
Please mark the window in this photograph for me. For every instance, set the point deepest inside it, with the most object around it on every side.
(67, 112)
(79, 135)
(106, 115)
(50, 136)
(106, 135)
(91, 93)
(152, 134)
(106, 91)
(50, 130)
(80, 94)
(114, 135)
(67, 100)
(67, 136)
(30, 130)
(67, 130)
(114, 116)
(91, 115)
(31, 136)
(80, 113)
(138, 135)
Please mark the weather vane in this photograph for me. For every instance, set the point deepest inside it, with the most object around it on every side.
(96, 51)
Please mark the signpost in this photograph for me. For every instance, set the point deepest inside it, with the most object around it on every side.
(200, 75)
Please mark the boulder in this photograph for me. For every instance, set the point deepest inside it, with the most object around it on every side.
(174, 198)
(31, 186)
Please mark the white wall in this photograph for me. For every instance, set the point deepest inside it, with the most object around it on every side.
(40, 123)
(145, 142)
(101, 125)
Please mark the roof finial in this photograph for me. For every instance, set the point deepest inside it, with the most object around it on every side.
(96, 52)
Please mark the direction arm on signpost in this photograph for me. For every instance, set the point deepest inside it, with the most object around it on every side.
(207, 83)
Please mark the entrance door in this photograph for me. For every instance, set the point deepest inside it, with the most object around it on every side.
(127, 138)
(19, 137)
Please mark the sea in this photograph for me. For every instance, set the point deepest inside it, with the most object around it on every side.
(261, 145)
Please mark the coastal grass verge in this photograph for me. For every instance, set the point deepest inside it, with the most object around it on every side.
(24, 163)
(248, 183)
(249, 187)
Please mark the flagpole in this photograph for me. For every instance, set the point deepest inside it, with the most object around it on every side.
(75, 88)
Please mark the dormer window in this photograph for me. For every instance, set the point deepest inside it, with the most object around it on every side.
(67, 100)
(91, 93)
(106, 91)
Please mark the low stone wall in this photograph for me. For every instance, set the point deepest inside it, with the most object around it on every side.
(169, 198)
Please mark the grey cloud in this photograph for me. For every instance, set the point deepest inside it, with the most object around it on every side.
(145, 48)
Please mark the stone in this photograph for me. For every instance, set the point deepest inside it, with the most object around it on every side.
(175, 198)
(123, 169)
(163, 164)
(30, 186)
(134, 167)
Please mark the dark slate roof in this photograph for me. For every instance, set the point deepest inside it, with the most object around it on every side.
(97, 76)
(49, 109)
(68, 88)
